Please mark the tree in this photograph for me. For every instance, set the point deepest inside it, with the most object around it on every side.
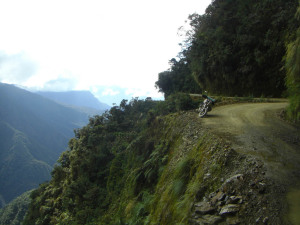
(178, 79)
(237, 46)
(292, 65)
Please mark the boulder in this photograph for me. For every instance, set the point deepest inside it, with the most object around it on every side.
(234, 200)
(220, 196)
(232, 220)
(203, 208)
(208, 220)
(229, 209)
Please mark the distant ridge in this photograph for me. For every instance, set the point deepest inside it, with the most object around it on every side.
(76, 98)
(33, 132)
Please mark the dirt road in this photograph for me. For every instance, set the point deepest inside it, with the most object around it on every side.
(256, 129)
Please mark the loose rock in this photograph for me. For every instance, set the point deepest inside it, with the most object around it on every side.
(207, 220)
(229, 209)
(204, 208)
(233, 221)
(220, 196)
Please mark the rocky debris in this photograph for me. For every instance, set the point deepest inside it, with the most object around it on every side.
(242, 198)
(203, 208)
(220, 206)
(229, 209)
(232, 220)
(208, 219)
(232, 178)
(220, 196)
(213, 212)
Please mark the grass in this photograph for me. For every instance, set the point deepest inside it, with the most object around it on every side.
(167, 197)
(181, 181)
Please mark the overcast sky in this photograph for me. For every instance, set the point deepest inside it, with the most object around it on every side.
(86, 44)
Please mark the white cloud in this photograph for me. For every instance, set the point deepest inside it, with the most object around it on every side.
(60, 84)
(109, 91)
(16, 68)
(94, 42)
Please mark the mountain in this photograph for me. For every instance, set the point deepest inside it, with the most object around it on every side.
(85, 100)
(33, 132)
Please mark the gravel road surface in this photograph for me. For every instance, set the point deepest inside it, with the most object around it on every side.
(256, 129)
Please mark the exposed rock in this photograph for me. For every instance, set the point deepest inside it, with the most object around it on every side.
(207, 220)
(234, 178)
(258, 219)
(232, 220)
(220, 196)
(234, 200)
(229, 209)
(261, 187)
(265, 220)
(204, 208)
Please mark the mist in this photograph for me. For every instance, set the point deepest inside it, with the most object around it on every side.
(16, 68)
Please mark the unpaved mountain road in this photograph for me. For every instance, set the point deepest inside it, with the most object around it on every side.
(256, 129)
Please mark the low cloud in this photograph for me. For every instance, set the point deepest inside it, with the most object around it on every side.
(16, 68)
(110, 92)
(60, 84)
(115, 94)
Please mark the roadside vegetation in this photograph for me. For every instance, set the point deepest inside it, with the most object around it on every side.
(292, 64)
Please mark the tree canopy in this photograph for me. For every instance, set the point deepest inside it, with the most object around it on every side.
(236, 48)
(178, 79)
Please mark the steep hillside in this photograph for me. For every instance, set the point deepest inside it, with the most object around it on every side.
(135, 166)
(14, 212)
(34, 131)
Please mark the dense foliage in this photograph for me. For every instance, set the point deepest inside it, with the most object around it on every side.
(90, 176)
(14, 212)
(178, 79)
(236, 48)
(293, 74)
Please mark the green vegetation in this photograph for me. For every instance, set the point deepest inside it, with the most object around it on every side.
(292, 64)
(128, 166)
(178, 79)
(294, 205)
(14, 212)
(235, 48)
